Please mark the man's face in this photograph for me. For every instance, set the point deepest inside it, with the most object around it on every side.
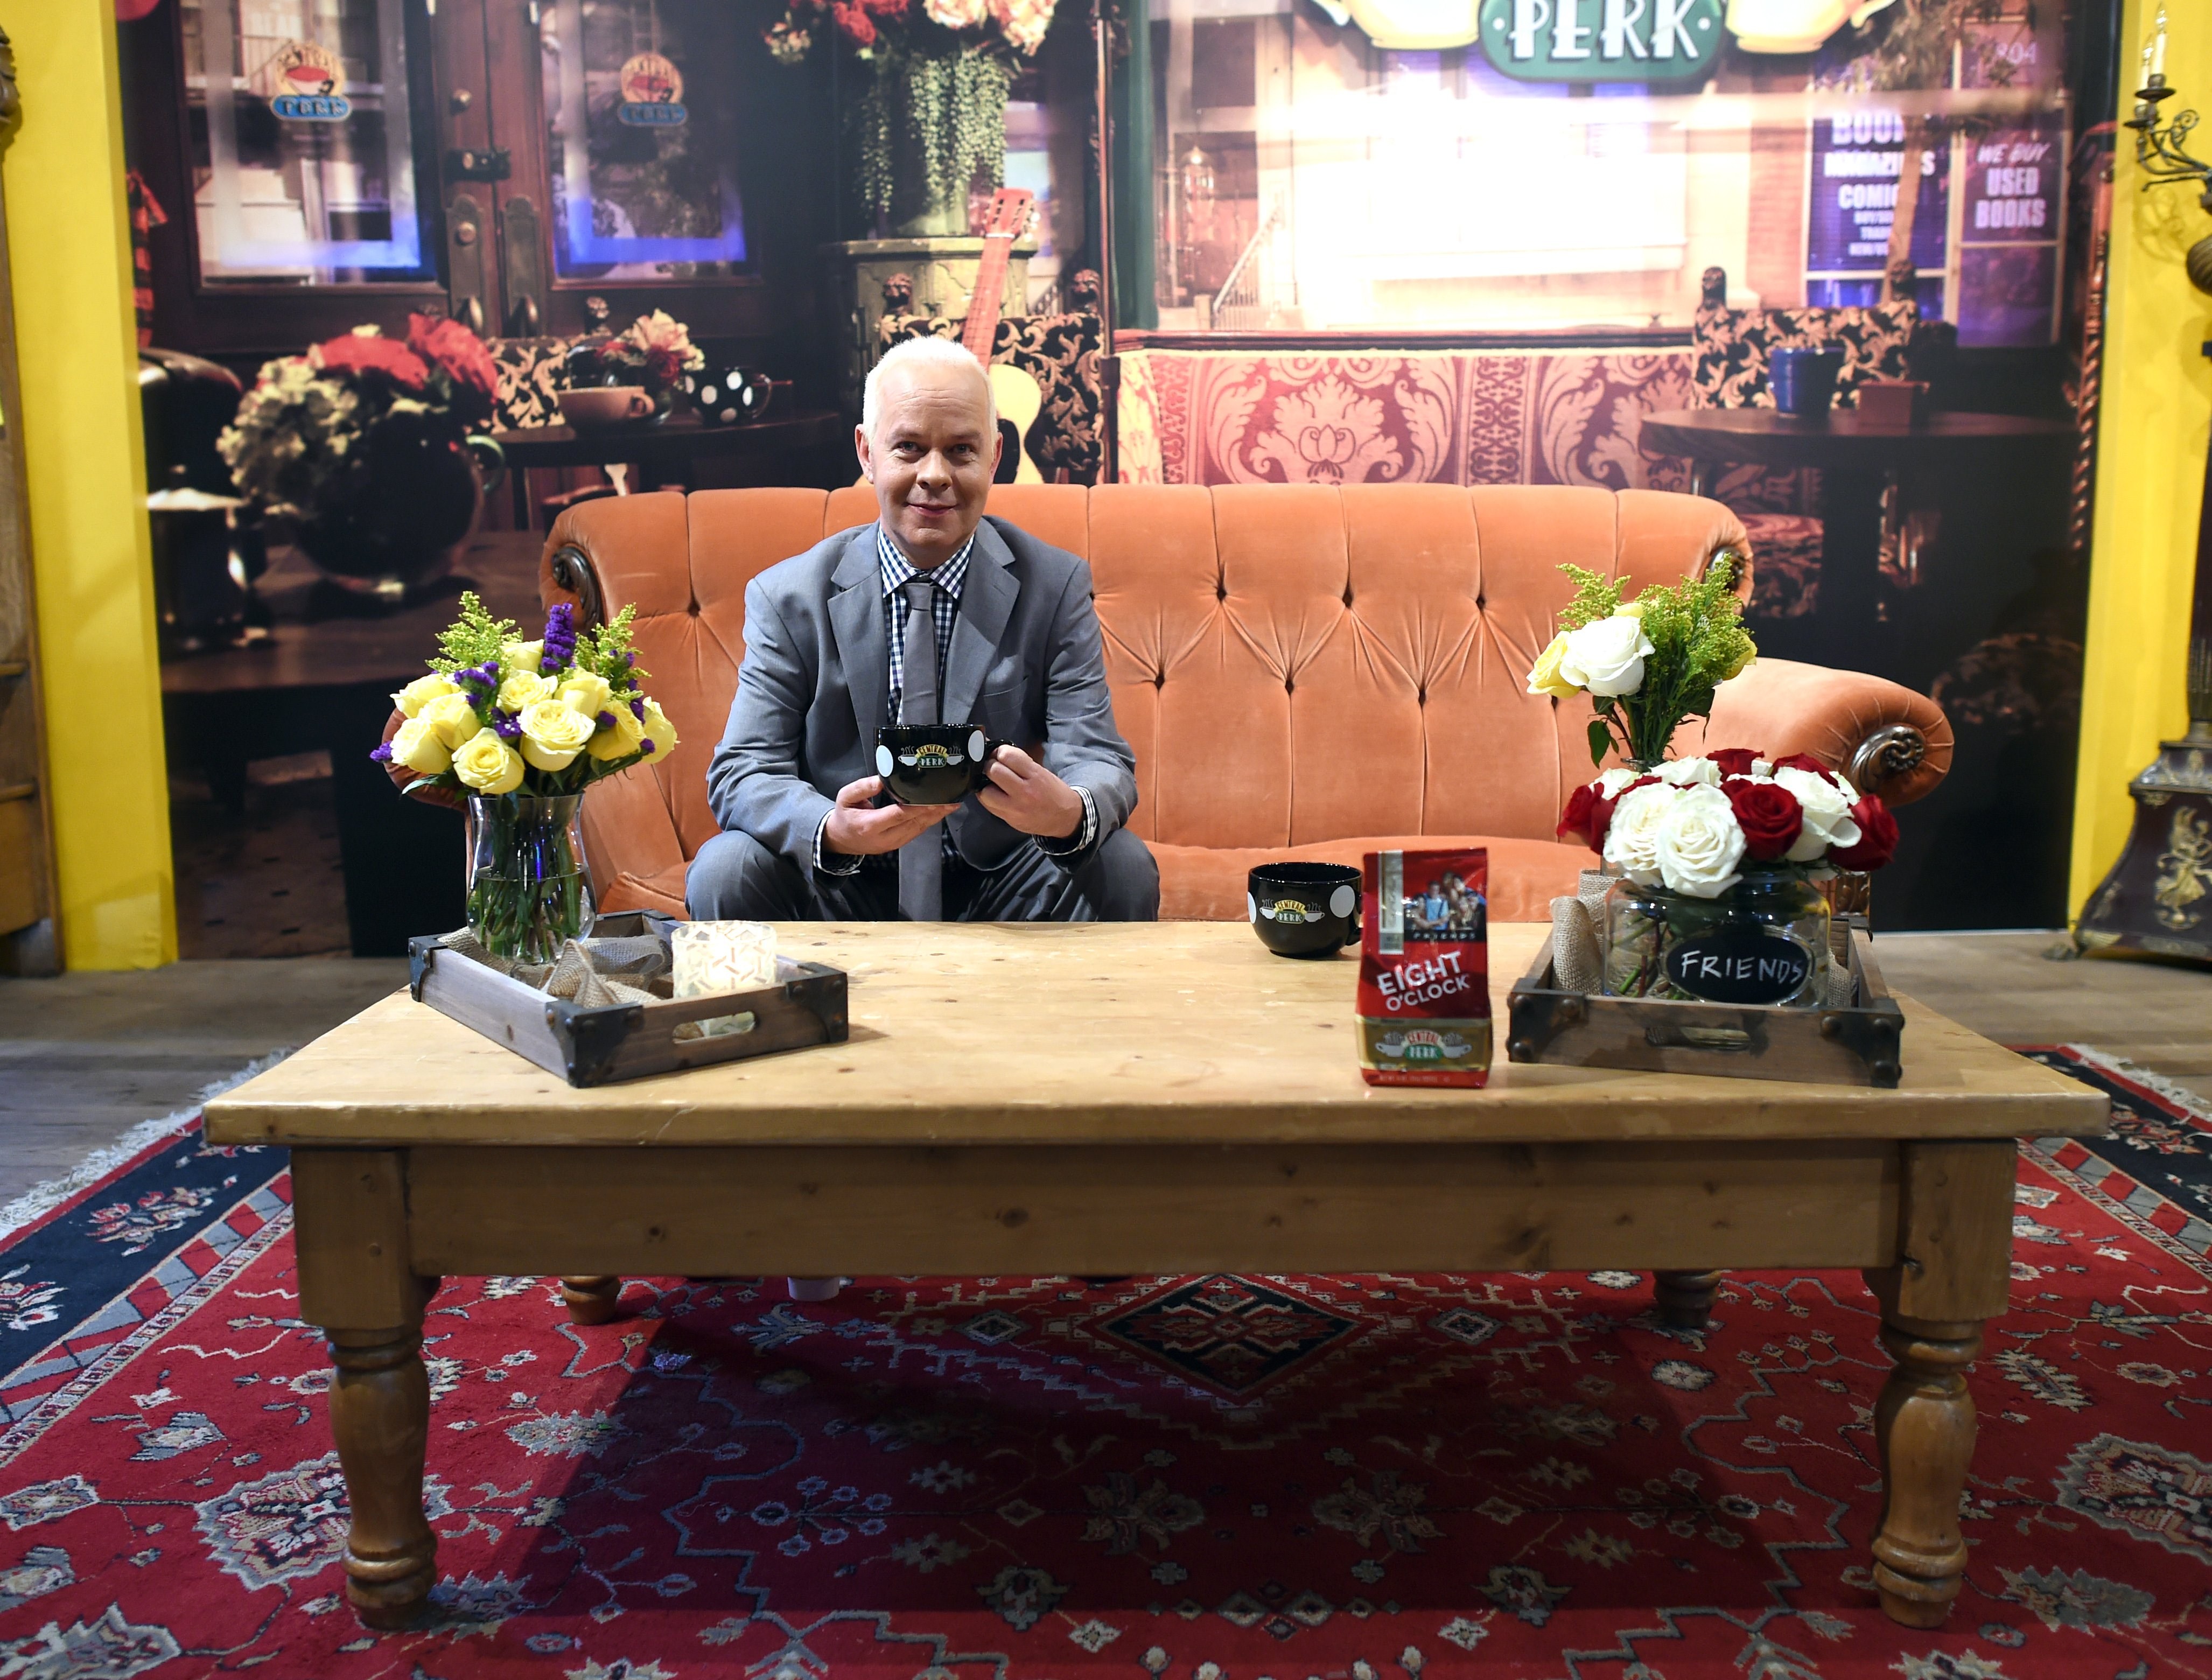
(932, 457)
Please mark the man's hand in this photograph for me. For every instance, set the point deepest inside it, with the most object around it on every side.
(1024, 794)
(858, 829)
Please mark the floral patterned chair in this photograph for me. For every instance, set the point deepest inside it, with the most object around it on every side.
(1729, 349)
(1060, 353)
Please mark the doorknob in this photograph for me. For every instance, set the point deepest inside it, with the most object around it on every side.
(523, 322)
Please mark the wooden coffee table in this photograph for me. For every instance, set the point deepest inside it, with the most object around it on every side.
(1130, 1098)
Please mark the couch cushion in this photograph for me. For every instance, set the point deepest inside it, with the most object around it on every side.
(1207, 883)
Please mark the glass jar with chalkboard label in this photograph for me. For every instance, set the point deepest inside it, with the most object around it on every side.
(1765, 940)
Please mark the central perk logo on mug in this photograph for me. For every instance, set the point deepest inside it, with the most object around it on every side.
(930, 755)
(651, 92)
(307, 84)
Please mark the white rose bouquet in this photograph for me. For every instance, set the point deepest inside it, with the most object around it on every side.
(522, 728)
(1732, 837)
(1647, 665)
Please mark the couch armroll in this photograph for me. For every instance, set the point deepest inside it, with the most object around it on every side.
(1887, 739)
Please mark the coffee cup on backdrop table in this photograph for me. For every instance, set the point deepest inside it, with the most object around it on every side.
(1802, 379)
(605, 404)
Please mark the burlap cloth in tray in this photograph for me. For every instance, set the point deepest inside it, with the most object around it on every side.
(591, 973)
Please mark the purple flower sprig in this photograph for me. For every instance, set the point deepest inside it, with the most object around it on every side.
(637, 707)
(381, 754)
(508, 726)
(603, 720)
(484, 678)
(560, 638)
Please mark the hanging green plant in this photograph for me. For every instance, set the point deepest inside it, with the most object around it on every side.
(931, 118)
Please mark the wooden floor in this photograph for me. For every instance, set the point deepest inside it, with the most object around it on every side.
(84, 1058)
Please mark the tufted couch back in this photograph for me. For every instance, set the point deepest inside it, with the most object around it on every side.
(1292, 665)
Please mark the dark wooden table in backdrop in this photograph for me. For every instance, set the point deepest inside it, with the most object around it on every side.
(1857, 459)
(323, 679)
(670, 451)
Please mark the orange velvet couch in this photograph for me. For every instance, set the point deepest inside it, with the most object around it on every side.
(1302, 671)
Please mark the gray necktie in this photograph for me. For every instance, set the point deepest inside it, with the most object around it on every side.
(921, 860)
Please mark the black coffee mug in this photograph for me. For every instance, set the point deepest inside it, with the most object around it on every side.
(1304, 910)
(932, 764)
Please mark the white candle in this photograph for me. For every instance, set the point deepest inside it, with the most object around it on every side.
(712, 958)
(2158, 47)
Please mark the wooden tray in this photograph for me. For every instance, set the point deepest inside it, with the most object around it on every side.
(1854, 1045)
(597, 1046)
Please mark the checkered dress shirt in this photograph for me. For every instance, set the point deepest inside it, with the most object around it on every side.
(894, 570)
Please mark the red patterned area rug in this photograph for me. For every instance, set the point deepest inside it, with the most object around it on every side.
(1218, 1478)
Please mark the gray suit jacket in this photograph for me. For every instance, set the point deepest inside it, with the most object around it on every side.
(1025, 663)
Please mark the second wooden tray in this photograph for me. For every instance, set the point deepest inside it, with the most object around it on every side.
(596, 1046)
(1856, 1044)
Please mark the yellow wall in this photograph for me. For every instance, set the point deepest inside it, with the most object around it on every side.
(70, 247)
(2151, 441)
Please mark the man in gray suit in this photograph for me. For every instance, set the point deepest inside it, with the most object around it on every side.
(933, 614)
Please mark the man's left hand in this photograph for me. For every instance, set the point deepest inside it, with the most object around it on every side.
(1024, 794)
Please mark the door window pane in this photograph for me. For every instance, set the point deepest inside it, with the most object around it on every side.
(641, 103)
(302, 142)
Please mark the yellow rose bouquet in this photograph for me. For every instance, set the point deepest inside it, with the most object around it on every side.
(521, 729)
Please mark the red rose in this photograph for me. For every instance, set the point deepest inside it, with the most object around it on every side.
(1576, 821)
(1734, 760)
(1588, 815)
(1803, 761)
(858, 29)
(664, 368)
(455, 349)
(359, 353)
(1769, 815)
(1877, 841)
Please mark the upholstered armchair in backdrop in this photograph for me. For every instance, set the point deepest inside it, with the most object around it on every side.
(1780, 510)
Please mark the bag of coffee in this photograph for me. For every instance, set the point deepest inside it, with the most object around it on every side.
(1424, 969)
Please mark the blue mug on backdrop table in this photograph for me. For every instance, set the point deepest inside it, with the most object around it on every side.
(1804, 379)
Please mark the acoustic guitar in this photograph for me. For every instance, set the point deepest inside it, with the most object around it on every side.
(1019, 399)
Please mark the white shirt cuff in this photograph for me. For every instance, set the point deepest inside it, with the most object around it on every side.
(851, 866)
(1085, 831)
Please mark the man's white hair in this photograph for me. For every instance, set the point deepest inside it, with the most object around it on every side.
(924, 353)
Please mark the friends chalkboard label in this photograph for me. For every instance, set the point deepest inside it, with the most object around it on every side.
(1740, 966)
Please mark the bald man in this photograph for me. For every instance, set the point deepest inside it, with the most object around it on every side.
(843, 639)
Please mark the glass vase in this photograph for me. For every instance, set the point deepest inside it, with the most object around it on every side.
(528, 889)
(1763, 941)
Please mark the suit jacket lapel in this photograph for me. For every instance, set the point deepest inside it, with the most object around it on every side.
(856, 617)
(987, 601)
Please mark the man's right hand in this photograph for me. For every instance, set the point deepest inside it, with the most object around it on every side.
(858, 829)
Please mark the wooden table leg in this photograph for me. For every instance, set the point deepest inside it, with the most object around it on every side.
(1952, 1272)
(351, 1225)
(1924, 1428)
(380, 1414)
(591, 1300)
(1685, 1300)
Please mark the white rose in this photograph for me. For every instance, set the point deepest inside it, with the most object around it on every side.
(1701, 844)
(524, 689)
(1827, 814)
(1683, 772)
(1607, 657)
(1632, 844)
(521, 655)
(586, 691)
(453, 717)
(552, 734)
(418, 746)
(489, 764)
(421, 692)
(1610, 782)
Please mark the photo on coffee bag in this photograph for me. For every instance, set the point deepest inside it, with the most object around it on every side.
(1425, 968)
